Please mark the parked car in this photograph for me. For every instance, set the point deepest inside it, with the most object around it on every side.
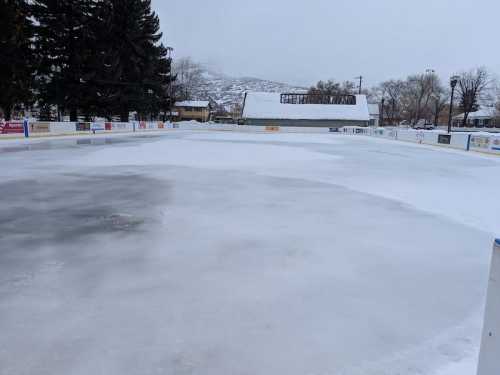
(423, 125)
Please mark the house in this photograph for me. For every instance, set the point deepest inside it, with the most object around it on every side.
(308, 110)
(374, 110)
(487, 117)
(198, 110)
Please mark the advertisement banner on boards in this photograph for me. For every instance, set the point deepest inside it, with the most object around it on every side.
(444, 139)
(40, 127)
(120, 126)
(495, 144)
(480, 141)
(83, 126)
(97, 127)
(12, 127)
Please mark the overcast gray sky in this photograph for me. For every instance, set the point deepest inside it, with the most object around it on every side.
(303, 41)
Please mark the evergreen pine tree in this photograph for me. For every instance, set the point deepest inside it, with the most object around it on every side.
(66, 44)
(136, 71)
(16, 55)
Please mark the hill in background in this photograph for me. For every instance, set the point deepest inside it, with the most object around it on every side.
(226, 90)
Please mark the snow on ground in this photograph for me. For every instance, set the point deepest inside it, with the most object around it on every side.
(233, 253)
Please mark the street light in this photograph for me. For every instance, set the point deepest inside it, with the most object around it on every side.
(453, 84)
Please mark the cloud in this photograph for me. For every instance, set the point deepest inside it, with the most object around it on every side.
(301, 42)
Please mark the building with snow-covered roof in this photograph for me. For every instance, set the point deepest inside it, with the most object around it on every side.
(486, 117)
(198, 110)
(297, 109)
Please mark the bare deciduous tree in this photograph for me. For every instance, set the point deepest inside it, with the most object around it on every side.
(392, 92)
(236, 109)
(189, 76)
(419, 90)
(418, 97)
(471, 86)
(439, 103)
(331, 87)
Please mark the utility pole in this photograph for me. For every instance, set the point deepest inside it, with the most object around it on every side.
(360, 83)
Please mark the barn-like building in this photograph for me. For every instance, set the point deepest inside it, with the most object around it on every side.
(295, 109)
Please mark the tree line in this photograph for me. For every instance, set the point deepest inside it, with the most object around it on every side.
(422, 96)
(83, 58)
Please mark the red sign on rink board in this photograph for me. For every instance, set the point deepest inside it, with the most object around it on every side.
(12, 127)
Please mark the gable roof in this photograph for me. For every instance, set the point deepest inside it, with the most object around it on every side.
(193, 103)
(486, 112)
(263, 105)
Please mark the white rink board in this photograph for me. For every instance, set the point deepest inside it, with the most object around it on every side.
(62, 127)
(489, 360)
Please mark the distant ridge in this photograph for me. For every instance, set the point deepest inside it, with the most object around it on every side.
(227, 90)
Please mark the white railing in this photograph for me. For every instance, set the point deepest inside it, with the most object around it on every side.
(475, 141)
(472, 141)
(41, 128)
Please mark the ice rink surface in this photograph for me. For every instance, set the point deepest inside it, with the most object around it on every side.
(243, 254)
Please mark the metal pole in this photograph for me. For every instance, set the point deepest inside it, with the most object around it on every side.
(451, 108)
(453, 84)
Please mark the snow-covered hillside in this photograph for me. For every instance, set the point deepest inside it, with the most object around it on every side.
(227, 90)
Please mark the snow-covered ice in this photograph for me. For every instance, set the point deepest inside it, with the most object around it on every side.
(238, 253)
